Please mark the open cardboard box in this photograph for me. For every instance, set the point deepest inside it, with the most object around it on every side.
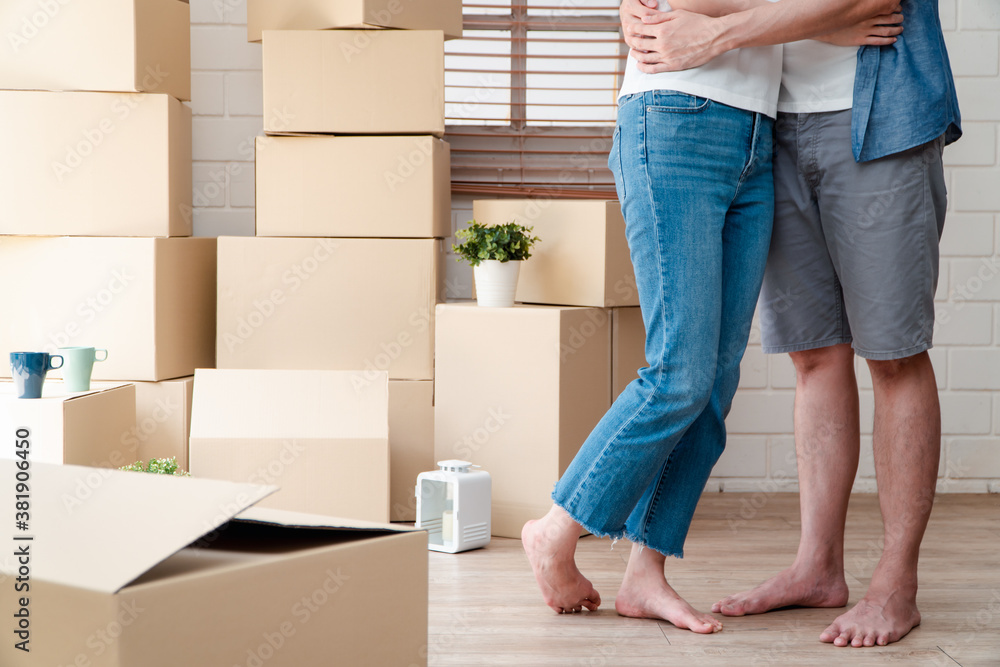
(83, 428)
(156, 571)
(322, 436)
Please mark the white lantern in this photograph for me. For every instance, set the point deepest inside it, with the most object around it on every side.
(453, 506)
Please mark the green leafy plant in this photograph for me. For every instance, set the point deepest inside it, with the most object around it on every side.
(158, 467)
(505, 243)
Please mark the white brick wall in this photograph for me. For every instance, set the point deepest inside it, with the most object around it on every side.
(760, 457)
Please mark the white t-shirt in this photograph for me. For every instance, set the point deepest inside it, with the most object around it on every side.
(816, 77)
(743, 78)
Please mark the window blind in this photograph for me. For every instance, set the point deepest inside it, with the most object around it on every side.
(530, 97)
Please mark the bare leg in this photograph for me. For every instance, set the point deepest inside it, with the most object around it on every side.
(907, 447)
(645, 593)
(827, 444)
(550, 543)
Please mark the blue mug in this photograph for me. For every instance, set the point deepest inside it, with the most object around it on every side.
(29, 369)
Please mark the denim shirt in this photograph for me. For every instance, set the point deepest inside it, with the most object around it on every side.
(904, 93)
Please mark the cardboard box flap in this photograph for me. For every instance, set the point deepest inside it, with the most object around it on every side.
(290, 404)
(54, 390)
(99, 529)
(314, 521)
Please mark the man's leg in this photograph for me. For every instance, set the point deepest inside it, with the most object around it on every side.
(827, 443)
(907, 447)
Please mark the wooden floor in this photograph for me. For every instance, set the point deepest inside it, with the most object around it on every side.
(486, 610)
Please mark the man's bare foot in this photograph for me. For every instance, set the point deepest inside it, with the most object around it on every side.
(645, 593)
(789, 588)
(550, 544)
(877, 619)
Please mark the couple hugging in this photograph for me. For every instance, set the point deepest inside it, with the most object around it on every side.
(788, 152)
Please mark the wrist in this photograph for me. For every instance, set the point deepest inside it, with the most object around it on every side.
(730, 33)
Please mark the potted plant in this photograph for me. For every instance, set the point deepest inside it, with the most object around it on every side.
(495, 253)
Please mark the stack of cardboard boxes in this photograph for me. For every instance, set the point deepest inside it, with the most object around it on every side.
(94, 231)
(519, 389)
(345, 270)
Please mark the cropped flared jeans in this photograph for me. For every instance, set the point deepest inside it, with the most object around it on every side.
(695, 184)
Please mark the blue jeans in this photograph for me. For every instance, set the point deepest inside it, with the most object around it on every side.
(694, 180)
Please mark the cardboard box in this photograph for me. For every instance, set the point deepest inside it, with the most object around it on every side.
(333, 304)
(124, 46)
(628, 348)
(354, 186)
(445, 15)
(144, 560)
(149, 302)
(94, 164)
(582, 258)
(354, 82)
(162, 421)
(322, 436)
(517, 392)
(81, 428)
(411, 443)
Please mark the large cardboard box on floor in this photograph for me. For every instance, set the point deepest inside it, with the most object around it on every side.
(81, 428)
(517, 392)
(411, 443)
(158, 571)
(354, 82)
(149, 302)
(94, 164)
(322, 436)
(628, 348)
(582, 258)
(334, 304)
(162, 421)
(445, 15)
(99, 45)
(354, 186)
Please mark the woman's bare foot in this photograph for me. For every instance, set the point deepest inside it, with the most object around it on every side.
(645, 593)
(879, 618)
(793, 587)
(550, 544)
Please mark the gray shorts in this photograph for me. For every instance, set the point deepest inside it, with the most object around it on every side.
(854, 253)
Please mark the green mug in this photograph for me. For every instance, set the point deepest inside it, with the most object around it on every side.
(78, 366)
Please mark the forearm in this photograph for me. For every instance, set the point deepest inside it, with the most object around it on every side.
(716, 8)
(792, 20)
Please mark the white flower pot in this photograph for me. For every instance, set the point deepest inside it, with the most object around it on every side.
(496, 282)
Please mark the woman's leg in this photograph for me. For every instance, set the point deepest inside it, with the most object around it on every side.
(664, 515)
(679, 161)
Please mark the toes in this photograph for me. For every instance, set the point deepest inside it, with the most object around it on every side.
(717, 607)
(882, 639)
(858, 641)
(843, 639)
(869, 639)
(594, 597)
(830, 634)
(591, 605)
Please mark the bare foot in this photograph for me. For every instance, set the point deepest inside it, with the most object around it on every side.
(645, 593)
(788, 588)
(879, 618)
(550, 553)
